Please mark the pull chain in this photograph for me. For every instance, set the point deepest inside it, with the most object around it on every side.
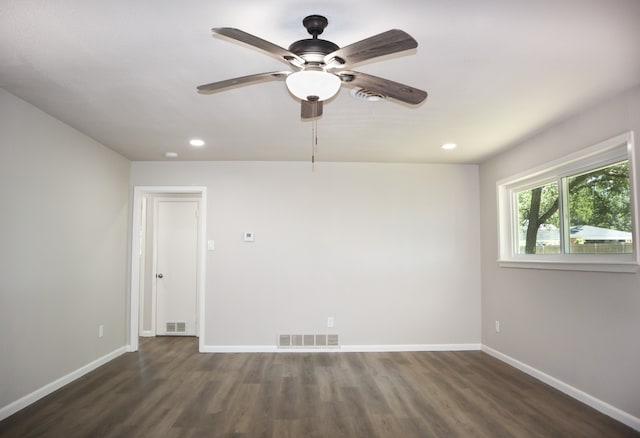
(314, 144)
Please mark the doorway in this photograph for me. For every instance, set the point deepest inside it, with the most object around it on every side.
(167, 262)
(174, 272)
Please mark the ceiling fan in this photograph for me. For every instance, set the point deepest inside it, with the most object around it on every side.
(320, 67)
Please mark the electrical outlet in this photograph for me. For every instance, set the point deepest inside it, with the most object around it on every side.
(497, 326)
(100, 331)
(331, 322)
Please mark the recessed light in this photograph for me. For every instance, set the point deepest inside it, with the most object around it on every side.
(196, 142)
(449, 146)
(171, 155)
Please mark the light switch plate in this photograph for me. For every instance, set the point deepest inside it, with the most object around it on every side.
(211, 245)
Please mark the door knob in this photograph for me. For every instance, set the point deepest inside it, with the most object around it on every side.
(159, 275)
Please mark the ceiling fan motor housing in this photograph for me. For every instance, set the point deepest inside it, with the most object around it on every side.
(313, 50)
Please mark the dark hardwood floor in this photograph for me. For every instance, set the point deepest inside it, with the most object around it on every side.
(168, 389)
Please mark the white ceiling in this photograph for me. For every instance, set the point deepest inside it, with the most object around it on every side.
(125, 72)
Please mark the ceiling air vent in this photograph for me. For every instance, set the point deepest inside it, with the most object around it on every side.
(365, 94)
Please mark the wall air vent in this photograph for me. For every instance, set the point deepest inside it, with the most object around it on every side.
(321, 340)
(176, 327)
(284, 341)
(294, 341)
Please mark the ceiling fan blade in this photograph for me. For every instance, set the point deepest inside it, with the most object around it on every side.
(385, 43)
(311, 109)
(244, 80)
(259, 43)
(395, 90)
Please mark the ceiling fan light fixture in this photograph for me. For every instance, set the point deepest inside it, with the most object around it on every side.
(313, 83)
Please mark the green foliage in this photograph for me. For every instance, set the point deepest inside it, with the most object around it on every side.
(601, 198)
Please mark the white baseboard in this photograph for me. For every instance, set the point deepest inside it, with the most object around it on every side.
(343, 348)
(47, 389)
(238, 349)
(571, 391)
(410, 347)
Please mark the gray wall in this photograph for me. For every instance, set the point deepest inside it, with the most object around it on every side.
(63, 258)
(580, 327)
(391, 251)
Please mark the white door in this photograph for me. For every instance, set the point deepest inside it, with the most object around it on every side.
(176, 267)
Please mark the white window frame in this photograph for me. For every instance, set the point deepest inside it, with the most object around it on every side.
(610, 151)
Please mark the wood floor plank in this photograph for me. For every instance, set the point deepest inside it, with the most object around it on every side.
(168, 389)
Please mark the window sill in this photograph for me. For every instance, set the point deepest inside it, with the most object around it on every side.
(618, 266)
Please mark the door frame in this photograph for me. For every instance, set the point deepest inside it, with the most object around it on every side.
(137, 237)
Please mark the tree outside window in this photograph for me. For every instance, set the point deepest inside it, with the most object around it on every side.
(597, 208)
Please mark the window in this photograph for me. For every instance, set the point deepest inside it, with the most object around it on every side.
(576, 213)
